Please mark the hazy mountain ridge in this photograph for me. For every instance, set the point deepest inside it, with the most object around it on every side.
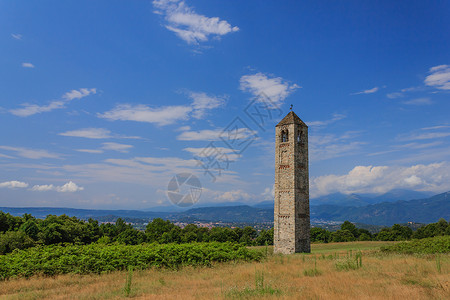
(425, 210)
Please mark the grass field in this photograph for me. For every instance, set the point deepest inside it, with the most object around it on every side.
(332, 271)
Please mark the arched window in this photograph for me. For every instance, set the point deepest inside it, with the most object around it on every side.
(299, 136)
(284, 136)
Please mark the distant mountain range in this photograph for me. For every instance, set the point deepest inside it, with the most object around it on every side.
(426, 210)
(351, 207)
(367, 199)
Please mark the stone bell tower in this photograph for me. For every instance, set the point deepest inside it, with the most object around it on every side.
(291, 210)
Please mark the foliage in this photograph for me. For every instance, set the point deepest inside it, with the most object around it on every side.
(26, 231)
(98, 258)
(11, 240)
(438, 244)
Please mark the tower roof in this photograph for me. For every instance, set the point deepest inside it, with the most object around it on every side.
(291, 118)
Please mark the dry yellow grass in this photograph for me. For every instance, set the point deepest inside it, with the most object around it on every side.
(380, 277)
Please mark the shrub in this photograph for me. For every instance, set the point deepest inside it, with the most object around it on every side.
(438, 244)
(100, 258)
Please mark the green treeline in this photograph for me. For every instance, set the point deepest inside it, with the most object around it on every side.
(27, 231)
(349, 232)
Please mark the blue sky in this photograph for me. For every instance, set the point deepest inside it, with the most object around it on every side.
(103, 102)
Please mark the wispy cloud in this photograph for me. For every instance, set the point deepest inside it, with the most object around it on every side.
(27, 65)
(369, 91)
(394, 95)
(336, 117)
(16, 36)
(96, 133)
(94, 151)
(214, 134)
(32, 109)
(78, 94)
(419, 101)
(424, 136)
(203, 102)
(142, 113)
(188, 25)
(69, 187)
(14, 184)
(31, 153)
(436, 127)
(439, 77)
(117, 147)
(380, 179)
(89, 133)
(328, 146)
(166, 115)
(219, 153)
(261, 86)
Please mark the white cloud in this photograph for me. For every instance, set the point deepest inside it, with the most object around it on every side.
(31, 109)
(31, 153)
(336, 117)
(188, 25)
(142, 113)
(439, 77)
(394, 95)
(425, 136)
(13, 184)
(16, 36)
(117, 147)
(43, 188)
(214, 135)
(184, 128)
(95, 133)
(269, 193)
(89, 133)
(78, 94)
(369, 91)
(436, 127)
(69, 187)
(419, 101)
(261, 86)
(5, 156)
(166, 115)
(219, 153)
(380, 179)
(27, 65)
(328, 146)
(203, 102)
(234, 195)
(94, 151)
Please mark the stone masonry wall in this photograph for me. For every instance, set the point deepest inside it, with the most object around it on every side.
(291, 210)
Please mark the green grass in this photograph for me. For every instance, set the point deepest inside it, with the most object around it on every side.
(344, 247)
(261, 288)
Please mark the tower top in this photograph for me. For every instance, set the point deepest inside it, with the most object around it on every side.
(291, 118)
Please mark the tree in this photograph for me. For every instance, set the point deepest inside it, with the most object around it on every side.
(320, 235)
(131, 236)
(347, 225)
(342, 236)
(265, 237)
(30, 228)
(11, 240)
(157, 228)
